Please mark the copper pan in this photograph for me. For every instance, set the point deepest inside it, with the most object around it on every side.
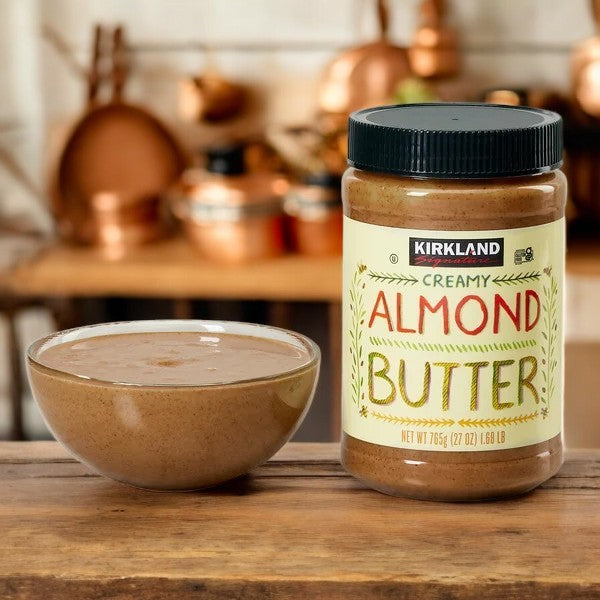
(365, 75)
(116, 150)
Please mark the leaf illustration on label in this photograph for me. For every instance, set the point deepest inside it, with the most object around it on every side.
(501, 422)
(550, 334)
(398, 278)
(516, 278)
(357, 309)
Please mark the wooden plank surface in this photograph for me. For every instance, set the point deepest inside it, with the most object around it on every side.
(298, 527)
(171, 269)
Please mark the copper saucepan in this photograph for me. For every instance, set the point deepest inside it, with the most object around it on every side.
(118, 161)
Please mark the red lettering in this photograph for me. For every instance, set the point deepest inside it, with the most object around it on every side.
(515, 317)
(442, 304)
(399, 327)
(529, 296)
(386, 311)
(484, 315)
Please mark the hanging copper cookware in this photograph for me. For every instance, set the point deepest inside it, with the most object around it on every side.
(366, 75)
(116, 164)
(211, 97)
(586, 69)
(434, 49)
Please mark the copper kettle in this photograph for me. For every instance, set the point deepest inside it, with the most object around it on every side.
(366, 75)
(586, 69)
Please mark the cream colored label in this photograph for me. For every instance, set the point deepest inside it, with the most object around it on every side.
(452, 340)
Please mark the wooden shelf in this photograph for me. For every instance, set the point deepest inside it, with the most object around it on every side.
(171, 269)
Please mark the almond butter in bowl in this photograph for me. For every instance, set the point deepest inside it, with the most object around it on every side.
(173, 405)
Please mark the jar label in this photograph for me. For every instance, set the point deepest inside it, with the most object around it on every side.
(452, 340)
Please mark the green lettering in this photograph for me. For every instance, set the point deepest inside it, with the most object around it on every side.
(476, 366)
(382, 374)
(448, 368)
(497, 385)
(402, 385)
(525, 381)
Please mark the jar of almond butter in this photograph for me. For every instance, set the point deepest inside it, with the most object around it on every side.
(453, 299)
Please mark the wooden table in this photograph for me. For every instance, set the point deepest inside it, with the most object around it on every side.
(299, 527)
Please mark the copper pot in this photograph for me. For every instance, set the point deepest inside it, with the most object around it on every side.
(314, 215)
(434, 49)
(117, 221)
(229, 215)
(365, 75)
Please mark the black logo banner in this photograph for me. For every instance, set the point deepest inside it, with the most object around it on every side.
(457, 253)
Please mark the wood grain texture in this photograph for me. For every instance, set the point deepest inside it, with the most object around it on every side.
(298, 527)
(171, 269)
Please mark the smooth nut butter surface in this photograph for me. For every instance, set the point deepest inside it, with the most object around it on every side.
(162, 410)
(452, 372)
(174, 358)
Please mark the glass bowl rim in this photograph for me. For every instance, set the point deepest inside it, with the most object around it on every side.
(176, 326)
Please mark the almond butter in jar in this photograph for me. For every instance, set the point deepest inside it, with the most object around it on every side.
(453, 292)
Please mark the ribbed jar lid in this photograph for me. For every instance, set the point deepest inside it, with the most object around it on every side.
(455, 140)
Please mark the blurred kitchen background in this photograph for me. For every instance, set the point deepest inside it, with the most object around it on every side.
(165, 158)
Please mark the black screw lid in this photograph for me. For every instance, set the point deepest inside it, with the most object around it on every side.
(455, 140)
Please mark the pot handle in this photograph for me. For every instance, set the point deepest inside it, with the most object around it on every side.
(119, 64)
(383, 18)
(595, 6)
(94, 73)
(432, 12)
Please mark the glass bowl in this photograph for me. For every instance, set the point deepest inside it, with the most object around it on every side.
(172, 436)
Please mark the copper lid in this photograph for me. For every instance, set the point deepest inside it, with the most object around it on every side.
(200, 195)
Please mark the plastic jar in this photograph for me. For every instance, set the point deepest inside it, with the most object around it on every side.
(453, 291)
